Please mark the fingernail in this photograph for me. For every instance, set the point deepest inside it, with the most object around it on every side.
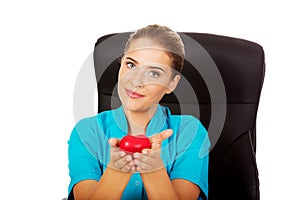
(128, 158)
(136, 155)
(136, 162)
(122, 153)
(145, 152)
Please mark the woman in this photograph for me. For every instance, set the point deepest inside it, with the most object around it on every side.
(176, 166)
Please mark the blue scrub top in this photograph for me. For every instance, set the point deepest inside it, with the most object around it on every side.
(185, 153)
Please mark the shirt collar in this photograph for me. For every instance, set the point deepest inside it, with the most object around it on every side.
(155, 125)
(120, 119)
(157, 122)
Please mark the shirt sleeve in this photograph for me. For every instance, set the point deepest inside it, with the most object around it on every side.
(191, 162)
(83, 164)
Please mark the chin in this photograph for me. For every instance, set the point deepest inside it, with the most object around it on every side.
(135, 107)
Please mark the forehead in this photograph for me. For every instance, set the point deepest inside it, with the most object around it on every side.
(144, 51)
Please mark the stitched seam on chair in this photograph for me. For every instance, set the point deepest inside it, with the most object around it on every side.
(253, 154)
(253, 158)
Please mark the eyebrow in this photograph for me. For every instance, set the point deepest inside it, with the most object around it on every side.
(132, 60)
(150, 66)
(159, 68)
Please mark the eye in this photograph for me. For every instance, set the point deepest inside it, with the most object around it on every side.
(154, 74)
(130, 65)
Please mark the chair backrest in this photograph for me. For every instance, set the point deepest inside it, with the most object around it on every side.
(221, 85)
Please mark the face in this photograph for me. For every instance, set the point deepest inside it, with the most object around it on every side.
(145, 76)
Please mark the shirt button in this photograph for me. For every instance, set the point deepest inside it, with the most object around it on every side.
(137, 182)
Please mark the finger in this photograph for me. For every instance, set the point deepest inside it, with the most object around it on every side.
(119, 164)
(133, 169)
(146, 151)
(148, 167)
(156, 147)
(148, 162)
(144, 167)
(129, 167)
(113, 142)
(158, 138)
(152, 152)
(116, 154)
(140, 158)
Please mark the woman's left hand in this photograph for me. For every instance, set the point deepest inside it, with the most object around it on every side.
(149, 160)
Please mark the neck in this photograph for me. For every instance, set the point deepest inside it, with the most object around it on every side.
(138, 121)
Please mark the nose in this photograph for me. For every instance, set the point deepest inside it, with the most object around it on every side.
(137, 78)
(137, 81)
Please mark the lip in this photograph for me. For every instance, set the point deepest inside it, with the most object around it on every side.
(134, 95)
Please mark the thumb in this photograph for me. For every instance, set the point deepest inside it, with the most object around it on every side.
(158, 138)
(113, 142)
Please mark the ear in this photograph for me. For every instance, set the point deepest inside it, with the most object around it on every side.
(173, 84)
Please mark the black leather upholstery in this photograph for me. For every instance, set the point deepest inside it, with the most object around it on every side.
(232, 172)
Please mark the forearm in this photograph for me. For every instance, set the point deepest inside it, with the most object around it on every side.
(158, 185)
(111, 185)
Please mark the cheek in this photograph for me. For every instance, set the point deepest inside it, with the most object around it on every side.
(121, 72)
(155, 91)
(122, 75)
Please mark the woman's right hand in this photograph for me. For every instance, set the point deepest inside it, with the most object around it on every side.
(118, 158)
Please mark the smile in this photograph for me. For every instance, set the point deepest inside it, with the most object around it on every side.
(134, 95)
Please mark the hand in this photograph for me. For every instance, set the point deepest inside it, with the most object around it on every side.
(118, 159)
(149, 160)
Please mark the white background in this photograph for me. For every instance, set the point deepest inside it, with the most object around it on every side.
(43, 46)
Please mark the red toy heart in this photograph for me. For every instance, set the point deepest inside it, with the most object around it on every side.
(134, 144)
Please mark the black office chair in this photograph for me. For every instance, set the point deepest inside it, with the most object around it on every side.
(221, 85)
